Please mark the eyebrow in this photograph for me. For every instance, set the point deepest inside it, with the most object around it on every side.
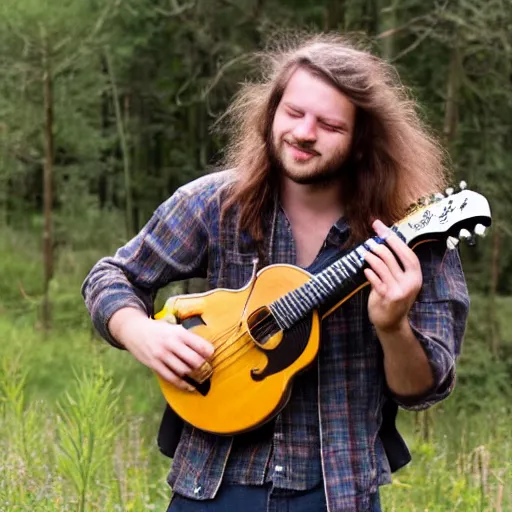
(338, 123)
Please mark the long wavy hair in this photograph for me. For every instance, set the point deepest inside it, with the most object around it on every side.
(394, 159)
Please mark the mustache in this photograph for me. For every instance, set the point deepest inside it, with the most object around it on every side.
(305, 145)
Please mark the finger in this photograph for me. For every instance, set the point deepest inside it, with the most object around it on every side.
(375, 282)
(198, 344)
(176, 365)
(171, 377)
(402, 251)
(188, 355)
(380, 268)
(389, 259)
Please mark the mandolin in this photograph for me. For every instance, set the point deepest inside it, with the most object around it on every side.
(267, 332)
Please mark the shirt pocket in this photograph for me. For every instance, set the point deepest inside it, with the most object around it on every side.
(237, 269)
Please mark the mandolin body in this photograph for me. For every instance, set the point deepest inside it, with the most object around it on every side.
(250, 379)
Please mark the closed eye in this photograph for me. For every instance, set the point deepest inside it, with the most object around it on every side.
(332, 128)
(295, 113)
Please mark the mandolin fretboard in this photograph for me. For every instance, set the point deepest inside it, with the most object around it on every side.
(341, 275)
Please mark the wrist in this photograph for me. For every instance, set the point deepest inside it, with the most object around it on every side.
(124, 325)
(398, 328)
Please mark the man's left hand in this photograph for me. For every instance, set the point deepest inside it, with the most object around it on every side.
(394, 289)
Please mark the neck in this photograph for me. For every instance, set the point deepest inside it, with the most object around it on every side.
(321, 199)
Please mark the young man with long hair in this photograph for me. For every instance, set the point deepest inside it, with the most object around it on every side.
(326, 151)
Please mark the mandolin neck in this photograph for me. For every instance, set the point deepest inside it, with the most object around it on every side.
(341, 277)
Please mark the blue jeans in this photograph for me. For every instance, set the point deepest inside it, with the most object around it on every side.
(246, 498)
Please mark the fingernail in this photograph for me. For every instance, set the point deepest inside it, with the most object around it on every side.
(191, 388)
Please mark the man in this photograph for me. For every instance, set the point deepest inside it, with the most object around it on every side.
(325, 152)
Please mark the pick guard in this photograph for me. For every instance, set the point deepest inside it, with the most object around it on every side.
(292, 346)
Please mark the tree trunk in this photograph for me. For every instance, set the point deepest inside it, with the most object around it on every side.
(371, 17)
(124, 151)
(334, 16)
(451, 112)
(495, 273)
(388, 18)
(47, 183)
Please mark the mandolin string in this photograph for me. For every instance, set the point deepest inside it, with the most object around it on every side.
(231, 356)
(224, 333)
(221, 335)
(249, 295)
(229, 343)
(231, 359)
(226, 346)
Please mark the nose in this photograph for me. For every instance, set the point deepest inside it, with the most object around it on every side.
(305, 129)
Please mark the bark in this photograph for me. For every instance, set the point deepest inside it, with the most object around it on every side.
(495, 274)
(121, 131)
(389, 24)
(47, 183)
(334, 18)
(451, 113)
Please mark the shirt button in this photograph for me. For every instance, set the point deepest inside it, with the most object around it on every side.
(278, 469)
(198, 490)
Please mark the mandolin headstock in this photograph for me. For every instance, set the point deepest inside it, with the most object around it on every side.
(457, 216)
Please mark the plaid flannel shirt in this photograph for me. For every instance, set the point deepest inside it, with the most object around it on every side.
(344, 421)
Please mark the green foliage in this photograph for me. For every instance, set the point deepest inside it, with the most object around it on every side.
(71, 436)
(81, 449)
(87, 426)
(439, 479)
(485, 379)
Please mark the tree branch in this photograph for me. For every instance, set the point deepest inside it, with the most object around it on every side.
(176, 8)
(396, 30)
(244, 56)
(114, 4)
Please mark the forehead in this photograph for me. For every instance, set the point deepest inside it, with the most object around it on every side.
(315, 95)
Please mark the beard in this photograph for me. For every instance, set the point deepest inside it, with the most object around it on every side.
(322, 174)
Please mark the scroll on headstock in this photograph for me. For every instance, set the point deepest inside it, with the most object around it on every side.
(458, 216)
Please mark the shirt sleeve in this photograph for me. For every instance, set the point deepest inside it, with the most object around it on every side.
(438, 319)
(172, 246)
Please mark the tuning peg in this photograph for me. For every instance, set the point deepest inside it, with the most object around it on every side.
(463, 185)
(449, 191)
(452, 242)
(464, 234)
(471, 241)
(480, 230)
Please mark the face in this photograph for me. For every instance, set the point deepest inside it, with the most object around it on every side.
(312, 130)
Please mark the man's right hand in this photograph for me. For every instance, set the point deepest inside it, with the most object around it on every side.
(169, 350)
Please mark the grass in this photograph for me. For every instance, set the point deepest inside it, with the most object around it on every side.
(78, 425)
(83, 440)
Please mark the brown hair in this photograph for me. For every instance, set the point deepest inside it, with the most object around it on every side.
(393, 162)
